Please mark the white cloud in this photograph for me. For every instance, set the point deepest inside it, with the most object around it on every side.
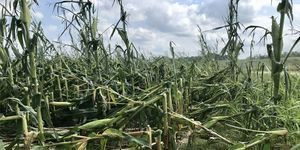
(258, 5)
(154, 23)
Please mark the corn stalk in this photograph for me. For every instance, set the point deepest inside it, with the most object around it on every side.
(31, 48)
(234, 44)
(275, 51)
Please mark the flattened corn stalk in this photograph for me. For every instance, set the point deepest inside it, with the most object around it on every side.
(129, 91)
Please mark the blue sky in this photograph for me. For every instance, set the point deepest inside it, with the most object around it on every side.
(153, 23)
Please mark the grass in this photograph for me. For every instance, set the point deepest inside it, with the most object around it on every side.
(115, 98)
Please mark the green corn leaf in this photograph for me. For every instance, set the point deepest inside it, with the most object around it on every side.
(114, 133)
(290, 51)
(252, 143)
(97, 124)
(123, 35)
(114, 29)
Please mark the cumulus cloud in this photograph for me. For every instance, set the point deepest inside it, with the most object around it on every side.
(154, 23)
(142, 35)
(176, 20)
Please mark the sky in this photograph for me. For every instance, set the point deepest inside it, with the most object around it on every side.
(152, 24)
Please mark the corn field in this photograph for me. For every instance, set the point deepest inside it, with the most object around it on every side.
(114, 97)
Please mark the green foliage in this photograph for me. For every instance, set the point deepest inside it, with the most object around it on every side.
(114, 97)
